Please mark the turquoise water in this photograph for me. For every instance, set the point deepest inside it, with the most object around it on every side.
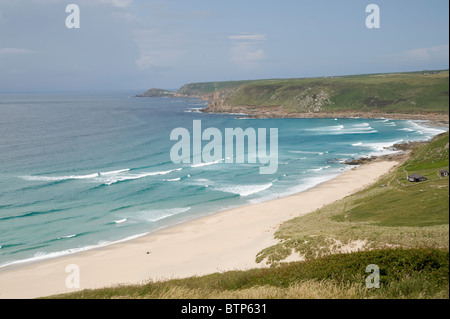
(82, 171)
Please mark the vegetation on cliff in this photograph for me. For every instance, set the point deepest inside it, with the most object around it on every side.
(156, 93)
(413, 92)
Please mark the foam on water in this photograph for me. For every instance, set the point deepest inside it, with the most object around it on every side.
(106, 178)
(319, 169)
(40, 255)
(426, 130)
(207, 164)
(173, 179)
(244, 190)
(363, 128)
(155, 215)
(67, 237)
(127, 177)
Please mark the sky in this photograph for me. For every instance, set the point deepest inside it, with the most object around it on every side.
(137, 44)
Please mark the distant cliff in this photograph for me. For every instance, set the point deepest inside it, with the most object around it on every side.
(398, 94)
(156, 93)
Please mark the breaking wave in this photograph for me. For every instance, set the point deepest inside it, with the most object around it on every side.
(105, 178)
(244, 190)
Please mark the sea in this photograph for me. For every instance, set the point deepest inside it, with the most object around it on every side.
(81, 170)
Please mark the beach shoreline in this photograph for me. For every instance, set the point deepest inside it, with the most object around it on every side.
(226, 240)
(277, 112)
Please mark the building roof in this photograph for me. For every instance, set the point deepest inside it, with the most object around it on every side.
(417, 177)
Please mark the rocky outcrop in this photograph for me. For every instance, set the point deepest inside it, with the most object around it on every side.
(157, 93)
(309, 100)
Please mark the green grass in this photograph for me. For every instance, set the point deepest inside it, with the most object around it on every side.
(403, 203)
(201, 88)
(401, 214)
(413, 273)
(414, 92)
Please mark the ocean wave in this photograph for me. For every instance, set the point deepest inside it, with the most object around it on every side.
(306, 152)
(206, 164)
(127, 177)
(345, 155)
(244, 190)
(362, 125)
(158, 214)
(173, 179)
(31, 214)
(406, 129)
(57, 178)
(204, 182)
(104, 178)
(363, 128)
(324, 129)
(319, 169)
(71, 177)
(66, 237)
(114, 172)
(425, 130)
(194, 110)
(304, 184)
(40, 255)
(379, 146)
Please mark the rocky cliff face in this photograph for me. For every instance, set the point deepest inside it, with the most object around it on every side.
(307, 101)
(400, 95)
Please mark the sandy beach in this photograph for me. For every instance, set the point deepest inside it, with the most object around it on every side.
(223, 241)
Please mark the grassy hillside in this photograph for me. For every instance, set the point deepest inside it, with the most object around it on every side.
(414, 92)
(156, 93)
(403, 203)
(415, 273)
(392, 213)
(203, 88)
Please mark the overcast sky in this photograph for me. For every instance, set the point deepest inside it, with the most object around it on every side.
(137, 44)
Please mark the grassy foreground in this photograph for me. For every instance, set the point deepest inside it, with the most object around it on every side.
(404, 227)
(415, 273)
